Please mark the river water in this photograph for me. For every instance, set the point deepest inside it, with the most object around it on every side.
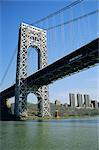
(67, 134)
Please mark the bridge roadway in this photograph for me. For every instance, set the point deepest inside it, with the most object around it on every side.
(82, 58)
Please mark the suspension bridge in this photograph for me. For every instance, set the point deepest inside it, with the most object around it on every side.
(83, 56)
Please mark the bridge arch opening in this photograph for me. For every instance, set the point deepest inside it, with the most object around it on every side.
(32, 60)
(32, 104)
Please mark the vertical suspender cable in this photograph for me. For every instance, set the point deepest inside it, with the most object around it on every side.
(71, 28)
(81, 30)
(62, 31)
(82, 24)
(53, 36)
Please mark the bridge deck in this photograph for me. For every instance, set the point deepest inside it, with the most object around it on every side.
(84, 57)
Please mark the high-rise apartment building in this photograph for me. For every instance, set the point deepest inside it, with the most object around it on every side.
(95, 103)
(79, 100)
(87, 101)
(72, 99)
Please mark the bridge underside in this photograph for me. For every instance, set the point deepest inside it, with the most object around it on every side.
(83, 58)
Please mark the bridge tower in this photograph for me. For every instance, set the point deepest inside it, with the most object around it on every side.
(30, 36)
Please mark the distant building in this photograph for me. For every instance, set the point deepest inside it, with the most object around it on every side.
(56, 114)
(79, 100)
(87, 101)
(57, 102)
(72, 99)
(94, 103)
(98, 104)
(66, 105)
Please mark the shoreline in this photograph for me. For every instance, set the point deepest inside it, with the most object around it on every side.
(54, 118)
(50, 119)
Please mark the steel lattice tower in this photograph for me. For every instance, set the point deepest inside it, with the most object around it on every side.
(30, 36)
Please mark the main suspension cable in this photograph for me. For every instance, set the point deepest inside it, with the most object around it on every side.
(57, 12)
(73, 20)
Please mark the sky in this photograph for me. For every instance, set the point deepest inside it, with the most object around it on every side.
(60, 42)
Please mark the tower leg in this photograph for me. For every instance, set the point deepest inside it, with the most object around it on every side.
(43, 102)
(20, 103)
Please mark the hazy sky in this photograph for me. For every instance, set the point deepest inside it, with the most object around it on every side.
(61, 41)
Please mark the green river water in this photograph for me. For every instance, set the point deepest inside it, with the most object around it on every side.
(67, 134)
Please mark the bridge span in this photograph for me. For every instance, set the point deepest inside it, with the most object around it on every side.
(82, 58)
